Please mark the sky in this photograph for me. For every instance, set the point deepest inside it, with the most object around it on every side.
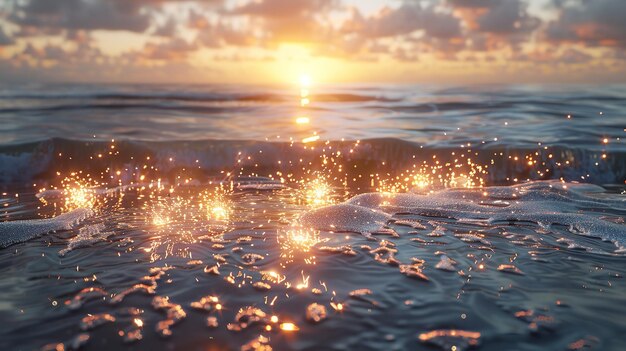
(331, 41)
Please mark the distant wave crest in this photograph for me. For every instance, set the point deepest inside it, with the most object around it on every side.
(23, 163)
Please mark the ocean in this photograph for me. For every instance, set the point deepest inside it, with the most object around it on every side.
(322, 217)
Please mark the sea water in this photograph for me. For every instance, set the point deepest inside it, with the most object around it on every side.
(391, 218)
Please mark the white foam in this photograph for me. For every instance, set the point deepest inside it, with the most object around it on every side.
(446, 263)
(14, 232)
(346, 218)
(579, 207)
(87, 236)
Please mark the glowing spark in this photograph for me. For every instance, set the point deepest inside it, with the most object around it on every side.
(217, 205)
(296, 243)
(337, 306)
(318, 193)
(305, 282)
(272, 277)
(159, 219)
(302, 120)
(289, 327)
(78, 193)
(218, 212)
(461, 181)
(421, 180)
(310, 139)
(79, 197)
(138, 322)
(300, 239)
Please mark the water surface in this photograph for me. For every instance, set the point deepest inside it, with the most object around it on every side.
(422, 218)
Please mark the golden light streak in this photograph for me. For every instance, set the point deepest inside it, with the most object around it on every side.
(289, 327)
(310, 139)
(305, 282)
(337, 306)
(303, 120)
(473, 336)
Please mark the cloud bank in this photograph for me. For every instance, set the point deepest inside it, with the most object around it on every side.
(54, 40)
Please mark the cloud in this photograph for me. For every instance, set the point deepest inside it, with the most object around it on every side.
(80, 52)
(473, 3)
(406, 19)
(285, 8)
(573, 56)
(496, 24)
(4, 38)
(175, 49)
(288, 20)
(167, 29)
(593, 23)
(57, 34)
(403, 33)
(445, 29)
(219, 33)
(405, 55)
(552, 56)
(507, 17)
(82, 14)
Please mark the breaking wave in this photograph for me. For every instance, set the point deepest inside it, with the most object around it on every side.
(21, 164)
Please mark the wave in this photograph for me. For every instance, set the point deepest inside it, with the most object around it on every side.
(25, 163)
(121, 106)
(194, 97)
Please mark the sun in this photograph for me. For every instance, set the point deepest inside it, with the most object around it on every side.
(305, 80)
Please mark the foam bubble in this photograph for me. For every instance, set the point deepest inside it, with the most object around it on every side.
(14, 232)
(87, 236)
(581, 208)
(346, 218)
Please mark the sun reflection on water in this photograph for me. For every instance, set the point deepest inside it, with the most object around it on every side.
(318, 192)
(77, 190)
(217, 205)
(297, 243)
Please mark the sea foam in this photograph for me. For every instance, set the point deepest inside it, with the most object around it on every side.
(578, 207)
(86, 237)
(14, 232)
(346, 218)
